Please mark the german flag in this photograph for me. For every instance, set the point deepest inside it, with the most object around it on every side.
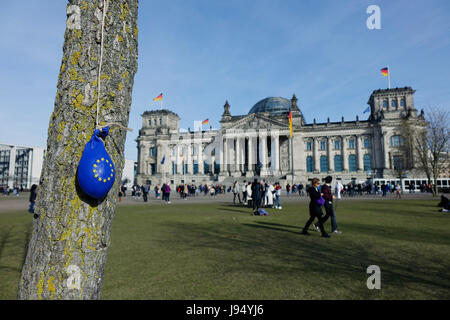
(385, 72)
(158, 98)
(290, 124)
(205, 121)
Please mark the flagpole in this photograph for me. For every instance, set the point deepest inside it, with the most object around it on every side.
(389, 77)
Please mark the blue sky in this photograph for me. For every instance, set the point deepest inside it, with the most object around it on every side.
(199, 53)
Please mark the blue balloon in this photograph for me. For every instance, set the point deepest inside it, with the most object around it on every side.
(96, 172)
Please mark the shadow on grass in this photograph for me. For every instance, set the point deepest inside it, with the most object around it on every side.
(274, 250)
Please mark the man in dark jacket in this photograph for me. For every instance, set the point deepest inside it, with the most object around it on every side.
(257, 194)
(315, 209)
(329, 208)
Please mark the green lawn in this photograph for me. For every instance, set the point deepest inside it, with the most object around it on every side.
(220, 251)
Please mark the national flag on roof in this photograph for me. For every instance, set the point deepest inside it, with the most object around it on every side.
(205, 121)
(367, 110)
(158, 98)
(385, 71)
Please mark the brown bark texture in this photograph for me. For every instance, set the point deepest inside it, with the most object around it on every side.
(67, 252)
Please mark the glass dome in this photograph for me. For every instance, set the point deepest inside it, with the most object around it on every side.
(274, 105)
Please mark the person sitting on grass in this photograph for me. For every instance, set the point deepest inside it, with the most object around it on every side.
(444, 204)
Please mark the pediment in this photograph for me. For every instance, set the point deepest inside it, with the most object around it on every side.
(258, 121)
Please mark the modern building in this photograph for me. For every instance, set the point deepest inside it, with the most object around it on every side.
(258, 144)
(20, 165)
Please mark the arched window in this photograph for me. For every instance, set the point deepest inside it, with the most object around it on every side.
(323, 164)
(337, 145)
(308, 145)
(394, 103)
(352, 162)
(338, 163)
(309, 164)
(385, 103)
(402, 102)
(397, 141)
(367, 163)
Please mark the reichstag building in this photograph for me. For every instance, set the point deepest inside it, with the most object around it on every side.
(258, 144)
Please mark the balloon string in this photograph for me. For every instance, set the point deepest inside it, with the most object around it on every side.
(97, 126)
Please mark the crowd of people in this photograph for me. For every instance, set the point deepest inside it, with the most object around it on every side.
(6, 191)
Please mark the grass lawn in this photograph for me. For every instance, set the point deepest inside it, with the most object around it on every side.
(220, 251)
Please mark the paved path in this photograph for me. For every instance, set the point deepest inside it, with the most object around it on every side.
(13, 203)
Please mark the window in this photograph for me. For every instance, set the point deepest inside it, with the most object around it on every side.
(174, 168)
(205, 167)
(338, 163)
(352, 162)
(195, 167)
(394, 103)
(323, 145)
(149, 122)
(309, 164)
(160, 121)
(398, 162)
(367, 163)
(397, 141)
(154, 122)
(152, 168)
(366, 143)
(323, 164)
(153, 151)
(385, 104)
(402, 103)
(337, 145)
(308, 146)
(351, 144)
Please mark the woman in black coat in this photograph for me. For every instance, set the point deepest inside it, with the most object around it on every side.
(315, 209)
(33, 192)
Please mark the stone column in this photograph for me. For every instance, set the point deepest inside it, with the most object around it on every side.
(251, 157)
(222, 155)
(360, 153)
(189, 159)
(329, 154)
(225, 157)
(12, 166)
(344, 154)
(237, 155)
(275, 146)
(385, 150)
(200, 159)
(316, 156)
(263, 153)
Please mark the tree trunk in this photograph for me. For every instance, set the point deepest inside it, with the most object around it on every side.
(68, 248)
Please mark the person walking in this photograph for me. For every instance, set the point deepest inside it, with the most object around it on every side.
(244, 193)
(288, 189)
(398, 192)
(328, 205)
(33, 193)
(315, 208)
(236, 192)
(269, 195)
(257, 194)
(278, 195)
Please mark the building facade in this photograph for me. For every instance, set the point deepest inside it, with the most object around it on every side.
(259, 144)
(20, 166)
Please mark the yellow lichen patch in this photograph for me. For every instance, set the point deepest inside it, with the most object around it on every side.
(40, 286)
(105, 76)
(75, 57)
(63, 67)
(127, 29)
(77, 33)
(73, 74)
(136, 32)
(125, 75)
(84, 5)
(124, 11)
(120, 38)
(51, 287)
(120, 86)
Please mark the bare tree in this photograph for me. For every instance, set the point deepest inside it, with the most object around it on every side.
(67, 252)
(437, 142)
